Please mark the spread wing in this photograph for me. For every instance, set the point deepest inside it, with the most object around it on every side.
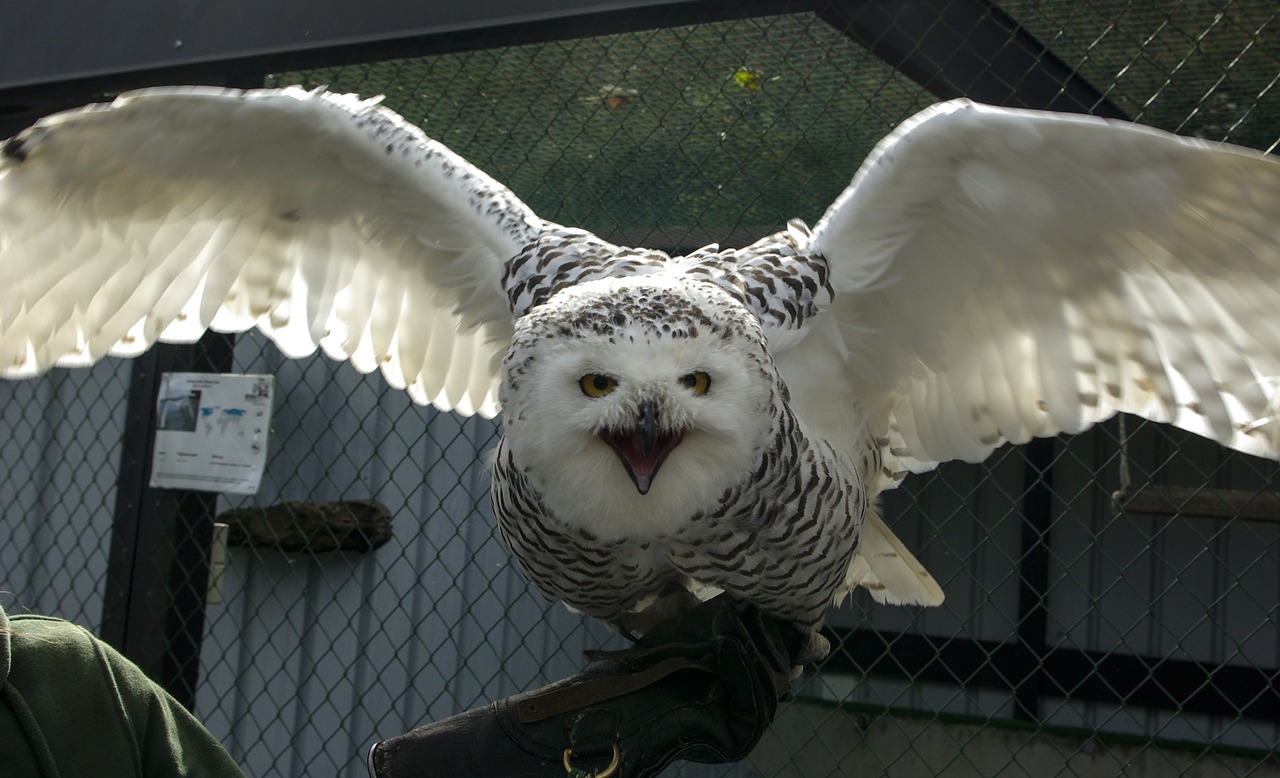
(321, 219)
(1006, 274)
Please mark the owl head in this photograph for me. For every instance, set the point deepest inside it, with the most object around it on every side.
(632, 403)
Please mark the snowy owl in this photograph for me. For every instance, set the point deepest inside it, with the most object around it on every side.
(721, 421)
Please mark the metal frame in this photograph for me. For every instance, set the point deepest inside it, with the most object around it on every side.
(114, 37)
(1092, 676)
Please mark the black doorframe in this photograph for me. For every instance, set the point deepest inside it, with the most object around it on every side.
(158, 563)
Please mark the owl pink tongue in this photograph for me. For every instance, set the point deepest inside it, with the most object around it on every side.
(643, 449)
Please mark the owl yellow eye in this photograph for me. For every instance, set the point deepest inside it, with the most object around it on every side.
(697, 382)
(597, 385)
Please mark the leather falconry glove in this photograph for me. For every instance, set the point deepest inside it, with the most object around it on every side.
(702, 687)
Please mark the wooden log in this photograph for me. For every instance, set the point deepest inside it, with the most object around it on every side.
(347, 525)
(1204, 501)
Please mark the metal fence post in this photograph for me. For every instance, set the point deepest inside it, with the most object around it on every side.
(153, 606)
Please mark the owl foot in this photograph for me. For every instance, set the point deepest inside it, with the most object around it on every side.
(670, 604)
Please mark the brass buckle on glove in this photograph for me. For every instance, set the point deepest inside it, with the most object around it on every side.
(577, 772)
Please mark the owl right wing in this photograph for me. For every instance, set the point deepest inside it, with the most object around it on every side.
(321, 219)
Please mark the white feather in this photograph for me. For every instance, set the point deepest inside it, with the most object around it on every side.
(885, 567)
(1038, 272)
(319, 218)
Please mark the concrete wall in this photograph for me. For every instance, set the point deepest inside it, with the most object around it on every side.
(816, 740)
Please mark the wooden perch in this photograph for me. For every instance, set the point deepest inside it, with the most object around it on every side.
(1202, 501)
(347, 525)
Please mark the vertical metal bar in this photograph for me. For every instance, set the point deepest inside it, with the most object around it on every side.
(157, 568)
(1033, 578)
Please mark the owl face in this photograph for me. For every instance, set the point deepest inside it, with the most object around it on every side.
(633, 403)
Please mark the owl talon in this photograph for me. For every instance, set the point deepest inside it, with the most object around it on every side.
(814, 650)
(674, 601)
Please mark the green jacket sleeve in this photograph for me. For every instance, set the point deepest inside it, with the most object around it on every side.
(71, 706)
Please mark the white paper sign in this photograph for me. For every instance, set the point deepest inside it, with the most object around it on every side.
(211, 432)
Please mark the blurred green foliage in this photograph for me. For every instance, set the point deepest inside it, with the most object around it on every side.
(652, 129)
(705, 131)
(1207, 68)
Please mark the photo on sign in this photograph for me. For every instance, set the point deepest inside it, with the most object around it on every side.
(178, 412)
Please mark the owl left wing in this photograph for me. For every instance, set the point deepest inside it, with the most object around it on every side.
(1004, 274)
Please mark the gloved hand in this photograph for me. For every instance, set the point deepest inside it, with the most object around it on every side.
(702, 687)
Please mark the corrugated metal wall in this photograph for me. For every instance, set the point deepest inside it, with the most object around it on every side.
(1163, 588)
(59, 454)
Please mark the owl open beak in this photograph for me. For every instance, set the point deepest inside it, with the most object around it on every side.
(644, 449)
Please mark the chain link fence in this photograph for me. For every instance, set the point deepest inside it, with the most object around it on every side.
(1113, 599)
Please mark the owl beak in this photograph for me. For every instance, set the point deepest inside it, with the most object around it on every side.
(644, 449)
